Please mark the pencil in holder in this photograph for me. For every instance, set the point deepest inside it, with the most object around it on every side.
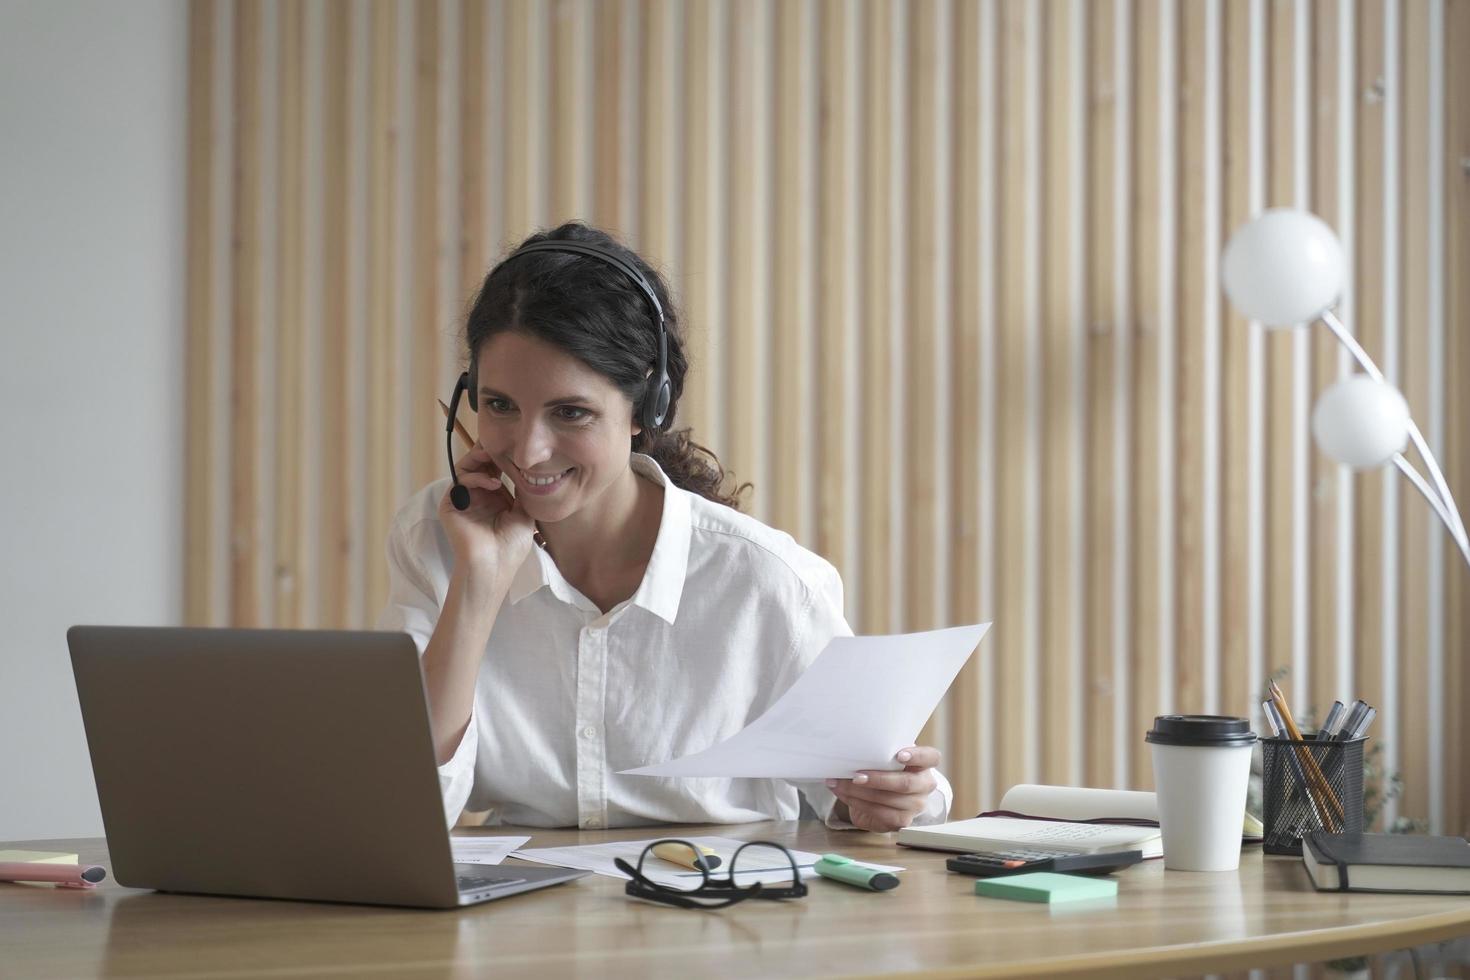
(1310, 785)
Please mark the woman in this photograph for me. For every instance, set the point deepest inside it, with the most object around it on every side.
(648, 618)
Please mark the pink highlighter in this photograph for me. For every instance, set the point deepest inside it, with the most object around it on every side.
(66, 875)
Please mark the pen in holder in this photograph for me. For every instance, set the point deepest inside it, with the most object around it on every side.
(1310, 785)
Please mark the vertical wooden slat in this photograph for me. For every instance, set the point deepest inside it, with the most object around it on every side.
(568, 122)
(836, 223)
(473, 248)
(607, 177)
(877, 420)
(1143, 657)
(963, 763)
(1011, 640)
(750, 224)
(1282, 437)
(658, 111)
(245, 388)
(336, 525)
(1322, 630)
(921, 260)
(1100, 540)
(1457, 406)
(703, 216)
(1057, 479)
(199, 553)
(383, 387)
(793, 212)
(1367, 326)
(427, 332)
(1235, 390)
(1189, 366)
(517, 194)
(966, 741)
(291, 326)
(1416, 686)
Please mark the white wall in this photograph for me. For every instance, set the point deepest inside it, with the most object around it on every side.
(92, 109)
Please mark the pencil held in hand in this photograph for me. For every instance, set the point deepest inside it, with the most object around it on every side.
(458, 427)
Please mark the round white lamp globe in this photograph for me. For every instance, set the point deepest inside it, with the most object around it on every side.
(1361, 422)
(1283, 267)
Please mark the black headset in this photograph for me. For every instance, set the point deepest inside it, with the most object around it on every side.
(653, 407)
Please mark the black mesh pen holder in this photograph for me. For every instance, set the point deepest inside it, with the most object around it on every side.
(1310, 785)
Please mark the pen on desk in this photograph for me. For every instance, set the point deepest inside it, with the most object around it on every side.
(67, 875)
(707, 860)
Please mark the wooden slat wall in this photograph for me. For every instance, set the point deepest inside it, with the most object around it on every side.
(949, 272)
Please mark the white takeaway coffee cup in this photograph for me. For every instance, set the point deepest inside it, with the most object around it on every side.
(1202, 768)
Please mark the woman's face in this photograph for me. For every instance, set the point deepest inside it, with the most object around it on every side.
(560, 430)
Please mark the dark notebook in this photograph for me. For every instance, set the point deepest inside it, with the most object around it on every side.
(1387, 862)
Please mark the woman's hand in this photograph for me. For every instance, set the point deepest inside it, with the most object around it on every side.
(495, 534)
(881, 800)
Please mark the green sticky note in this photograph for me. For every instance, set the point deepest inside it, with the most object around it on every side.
(1046, 886)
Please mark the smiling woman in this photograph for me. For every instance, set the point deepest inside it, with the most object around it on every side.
(654, 620)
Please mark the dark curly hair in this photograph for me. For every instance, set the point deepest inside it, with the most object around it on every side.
(598, 315)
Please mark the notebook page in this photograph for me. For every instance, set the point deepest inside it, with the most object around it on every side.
(1078, 836)
(1079, 802)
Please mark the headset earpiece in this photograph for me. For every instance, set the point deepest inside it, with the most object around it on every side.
(656, 404)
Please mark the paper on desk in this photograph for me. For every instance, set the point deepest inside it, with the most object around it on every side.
(484, 850)
(861, 700)
(764, 864)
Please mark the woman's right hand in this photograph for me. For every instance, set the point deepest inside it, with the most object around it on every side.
(495, 534)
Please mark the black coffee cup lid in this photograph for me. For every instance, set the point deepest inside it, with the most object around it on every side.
(1206, 730)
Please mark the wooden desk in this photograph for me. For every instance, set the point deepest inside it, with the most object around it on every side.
(1161, 924)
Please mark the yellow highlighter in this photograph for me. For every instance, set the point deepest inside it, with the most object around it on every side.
(705, 860)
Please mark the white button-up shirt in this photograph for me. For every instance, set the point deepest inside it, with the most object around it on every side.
(728, 615)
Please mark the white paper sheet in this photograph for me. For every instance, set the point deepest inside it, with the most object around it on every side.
(484, 850)
(764, 864)
(861, 700)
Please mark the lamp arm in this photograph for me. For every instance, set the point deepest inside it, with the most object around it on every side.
(1456, 526)
(1350, 342)
(1450, 513)
(1414, 477)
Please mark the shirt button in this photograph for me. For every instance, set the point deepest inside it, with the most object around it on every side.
(593, 823)
(589, 732)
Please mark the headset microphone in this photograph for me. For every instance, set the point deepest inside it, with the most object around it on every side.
(459, 494)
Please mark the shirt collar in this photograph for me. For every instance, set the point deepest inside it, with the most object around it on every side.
(663, 581)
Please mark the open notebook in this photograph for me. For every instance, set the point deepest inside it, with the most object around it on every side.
(1075, 819)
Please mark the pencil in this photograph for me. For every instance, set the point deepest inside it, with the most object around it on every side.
(1315, 780)
(468, 442)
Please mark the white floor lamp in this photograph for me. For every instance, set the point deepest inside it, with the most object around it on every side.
(1285, 268)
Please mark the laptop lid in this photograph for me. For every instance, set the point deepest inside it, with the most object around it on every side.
(274, 763)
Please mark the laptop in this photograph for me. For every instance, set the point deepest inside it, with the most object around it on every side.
(291, 764)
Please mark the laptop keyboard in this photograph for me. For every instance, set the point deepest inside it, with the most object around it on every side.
(473, 883)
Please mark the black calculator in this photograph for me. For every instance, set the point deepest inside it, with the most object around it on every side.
(1013, 862)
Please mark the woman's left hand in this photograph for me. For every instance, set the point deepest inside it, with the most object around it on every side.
(881, 800)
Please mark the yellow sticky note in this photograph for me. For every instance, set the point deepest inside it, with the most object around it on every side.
(39, 857)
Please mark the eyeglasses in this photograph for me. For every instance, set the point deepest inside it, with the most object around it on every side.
(719, 890)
